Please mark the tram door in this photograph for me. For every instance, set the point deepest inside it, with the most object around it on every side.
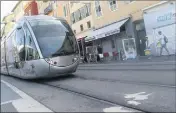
(15, 46)
(31, 55)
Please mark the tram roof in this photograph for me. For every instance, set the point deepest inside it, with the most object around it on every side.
(40, 17)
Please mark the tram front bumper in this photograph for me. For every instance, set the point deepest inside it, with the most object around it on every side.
(60, 71)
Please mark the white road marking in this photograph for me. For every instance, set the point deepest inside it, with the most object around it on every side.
(6, 102)
(136, 96)
(117, 109)
(133, 102)
(27, 103)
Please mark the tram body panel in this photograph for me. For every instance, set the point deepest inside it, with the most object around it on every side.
(60, 71)
(3, 61)
(35, 69)
(12, 57)
(43, 47)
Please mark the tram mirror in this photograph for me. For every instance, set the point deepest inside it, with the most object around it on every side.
(19, 27)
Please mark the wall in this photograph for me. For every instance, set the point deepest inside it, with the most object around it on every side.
(76, 26)
(156, 19)
(18, 10)
(123, 10)
(31, 7)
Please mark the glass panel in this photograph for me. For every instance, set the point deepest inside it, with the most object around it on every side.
(31, 51)
(55, 37)
(19, 42)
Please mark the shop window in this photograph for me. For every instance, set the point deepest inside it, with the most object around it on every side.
(30, 48)
(112, 43)
(98, 8)
(81, 27)
(112, 5)
(88, 24)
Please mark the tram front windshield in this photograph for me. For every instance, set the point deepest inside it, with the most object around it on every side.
(55, 37)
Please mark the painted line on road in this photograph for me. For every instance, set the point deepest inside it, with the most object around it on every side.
(27, 103)
(6, 102)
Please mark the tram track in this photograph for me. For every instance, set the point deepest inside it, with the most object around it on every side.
(125, 81)
(95, 69)
(91, 96)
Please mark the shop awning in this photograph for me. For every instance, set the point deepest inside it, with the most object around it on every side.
(107, 31)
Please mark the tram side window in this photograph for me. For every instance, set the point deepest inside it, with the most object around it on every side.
(2, 55)
(19, 40)
(31, 51)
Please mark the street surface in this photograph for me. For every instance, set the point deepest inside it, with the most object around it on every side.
(146, 87)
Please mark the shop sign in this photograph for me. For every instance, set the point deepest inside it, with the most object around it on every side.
(166, 17)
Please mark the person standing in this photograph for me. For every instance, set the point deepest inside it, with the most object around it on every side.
(163, 42)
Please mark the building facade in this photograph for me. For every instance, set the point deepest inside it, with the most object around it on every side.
(18, 10)
(8, 20)
(161, 17)
(119, 27)
(31, 8)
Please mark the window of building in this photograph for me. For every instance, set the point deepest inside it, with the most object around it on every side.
(72, 18)
(77, 15)
(88, 10)
(83, 12)
(112, 5)
(65, 11)
(74, 31)
(98, 8)
(30, 48)
(81, 27)
(88, 24)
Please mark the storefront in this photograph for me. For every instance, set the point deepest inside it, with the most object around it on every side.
(116, 37)
(31, 8)
(160, 25)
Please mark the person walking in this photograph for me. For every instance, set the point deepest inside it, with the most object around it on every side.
(163, 42)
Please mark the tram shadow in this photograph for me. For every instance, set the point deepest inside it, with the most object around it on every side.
(52, 79)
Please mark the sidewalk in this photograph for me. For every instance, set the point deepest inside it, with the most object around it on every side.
(139, 59)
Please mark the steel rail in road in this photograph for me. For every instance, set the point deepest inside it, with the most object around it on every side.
(126, 81)
(91, 96)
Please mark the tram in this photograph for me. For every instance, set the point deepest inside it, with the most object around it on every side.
(39, 47)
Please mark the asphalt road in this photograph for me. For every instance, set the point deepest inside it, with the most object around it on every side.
(149, 87)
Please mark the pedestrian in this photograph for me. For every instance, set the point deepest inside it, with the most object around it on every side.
(163, 40)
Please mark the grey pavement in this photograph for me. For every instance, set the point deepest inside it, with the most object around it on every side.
(59, 100)
(139, 59)
(145, 86)
(8, 95)
(160, 99)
